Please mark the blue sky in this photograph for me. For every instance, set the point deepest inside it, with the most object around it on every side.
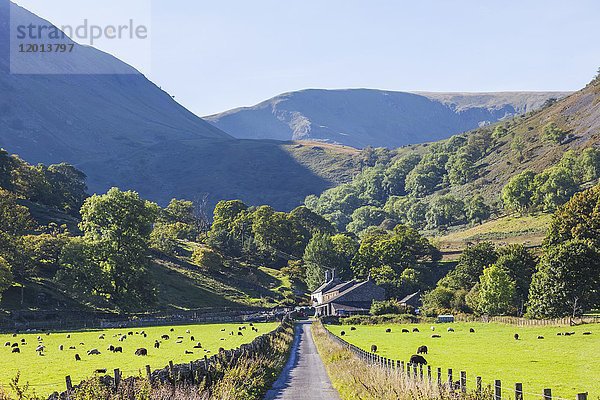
(216, 55)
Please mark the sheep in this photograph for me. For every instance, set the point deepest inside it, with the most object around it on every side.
(180, 337)
(569, 333)
(40, 348)
(100, 371)
(14, 335)
(433, 329)
(352, 328)
(540, 337)
(231, 333)
(141, 352)
(405, 331)
(165, 337)
(16, 350)
(7, 344)
(222, 339)
(15, 345)
(192, 339)
(471, 330)
(93, 352)
(436, 336)
(179, 341)
(144, 335)
(388, 330)
(118, 349)
(586, 333)
(68, 336)
(342, 333)
(189, 352)
(172, 329)
(188, 331)
(156, 344)
(101, 337)
(450, 329)
(373, 348)
(72, 348)
(39, 338)
(82, 344)
(198, 346)
(223, 330)
(22, 340)
(77, 357)
(61, 347)
(129, 333)
(416, 359)
(422, 350)
(415, 329)
(240, 334)
(516, 336)
(111, 348)
(251, 324)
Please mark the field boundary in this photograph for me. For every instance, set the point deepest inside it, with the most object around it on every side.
(519, 321)
(450, 380)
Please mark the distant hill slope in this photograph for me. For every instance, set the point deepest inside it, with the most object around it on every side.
(122, 130)
(363, 117)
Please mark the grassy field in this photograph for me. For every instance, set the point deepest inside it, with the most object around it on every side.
(566, 364)
(47, 373)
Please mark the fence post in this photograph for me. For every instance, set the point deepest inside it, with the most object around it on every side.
(582, 396)
(547, 394)
(402, 366)
(171, 372)
(429, 372)
(518, 391)
(69, 383)
(408, 369)
(117, 378)
(415, 371)
(497, 390)
(463, 381)
(478, 380)
(439, 374)
(192, 372)
(149, 373)
(450, 378)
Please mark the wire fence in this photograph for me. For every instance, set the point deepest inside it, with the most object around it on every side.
(456, 382)
(518, 321)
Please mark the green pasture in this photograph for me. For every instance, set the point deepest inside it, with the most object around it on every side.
(46, 373)
(566, 364)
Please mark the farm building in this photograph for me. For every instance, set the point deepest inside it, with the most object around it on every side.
(335, 297)
(412, 300)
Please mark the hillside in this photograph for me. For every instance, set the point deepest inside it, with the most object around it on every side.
(365, 117)
(123, 130)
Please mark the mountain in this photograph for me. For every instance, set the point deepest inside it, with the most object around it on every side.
(365, 117)
(123, 130)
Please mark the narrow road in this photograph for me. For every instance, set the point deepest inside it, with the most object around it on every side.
(304, 376)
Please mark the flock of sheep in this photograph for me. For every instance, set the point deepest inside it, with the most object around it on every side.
(18, 344)
(419, 359)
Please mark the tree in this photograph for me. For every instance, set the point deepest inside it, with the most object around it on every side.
(438, 300)
(496, 291)
(554, 187)
(445, 211)
(461, 169)
(6, 278)
(518, 193)
(553, 133)
(310, 221)
(519, 263)
(44, 251)
(394, 179)
(364, 217)
(517, 145)
(477, 210)
(319, 255)
(67, 186)
(117, 227)
(164, 238)
(207, 258)
(566, 281)
(471, 264)
(296, 270)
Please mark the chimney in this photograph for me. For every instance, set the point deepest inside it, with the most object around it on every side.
(328, 275)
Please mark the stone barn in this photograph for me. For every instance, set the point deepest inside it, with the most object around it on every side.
(339, 298)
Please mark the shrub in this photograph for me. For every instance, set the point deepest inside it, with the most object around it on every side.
(391, 306)
(207, 258)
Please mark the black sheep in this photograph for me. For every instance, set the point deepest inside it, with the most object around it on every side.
(141, 352)
(101, 371)
(388, 330)
(415, 329)
(516, 336)
(77, 357)
(373, 348)
(416, 359)
(472, 330)
(422, 350)
(118, 349)
(342, 333)
(435, 336)
(16, 350)
(165, 337)
(352, 328)
(405, 331)
(156, 344)
(540, 337)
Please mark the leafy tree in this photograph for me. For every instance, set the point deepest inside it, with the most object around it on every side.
(589, 164)
(566, 281)
(7, 165)
(319, 256)
(45, 250)
(429, 173)
(477, 210)
(461, 169)
(296, 270)
(438, 300)
(14, 218)
(553, 133)
(345, 247)
(517, 145)
(6, 278)
(67, 186)
(364, 217)
(519, 263)
(471, 264)
(310, 221)
(445, 211)
(394, 179)
(554, 187)
(275, 233)
(518, 193)
(499, 132)
(496, 291)
(391, 306)
(117, 226)
(164, 238)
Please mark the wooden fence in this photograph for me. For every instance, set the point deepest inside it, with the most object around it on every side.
(452, 380)
(567, 321)
(195, 372)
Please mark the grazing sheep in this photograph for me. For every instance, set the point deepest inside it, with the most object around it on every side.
(416, 359)
(352, 328)
(373, 348)
(436, 336)
(156, 344)
(68, 336)
(61, 347)
(77, 357)
(222, 338)
(40, 348)
(179, 341)
(144, 335)
(516, 336)
(16, 350)
(111, 348)
(172, 329)
(93, 352)
(100, 371)
(6, 344)
(39, 338)
(165, 337)
(450, 329)
(14, 335)
(415, 329)
(433, 329)
(188, 331)
(240, 334)
(82, 344)
(559, 334)
(192, 339)
(587, 333)
(422, 350)
(101, 337)
(231, 333)
(22, 340)
(72, 348)
(342, 333)
(254, 329)
(141, 352)
(251, 324)
(118, 349)
(223, 330)
(569, 333)
(540, 337)
(15, 345)
(405, 331)
(198, 346)
(189, 352)
(180, 337)
(471, 330)
(388, 330)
